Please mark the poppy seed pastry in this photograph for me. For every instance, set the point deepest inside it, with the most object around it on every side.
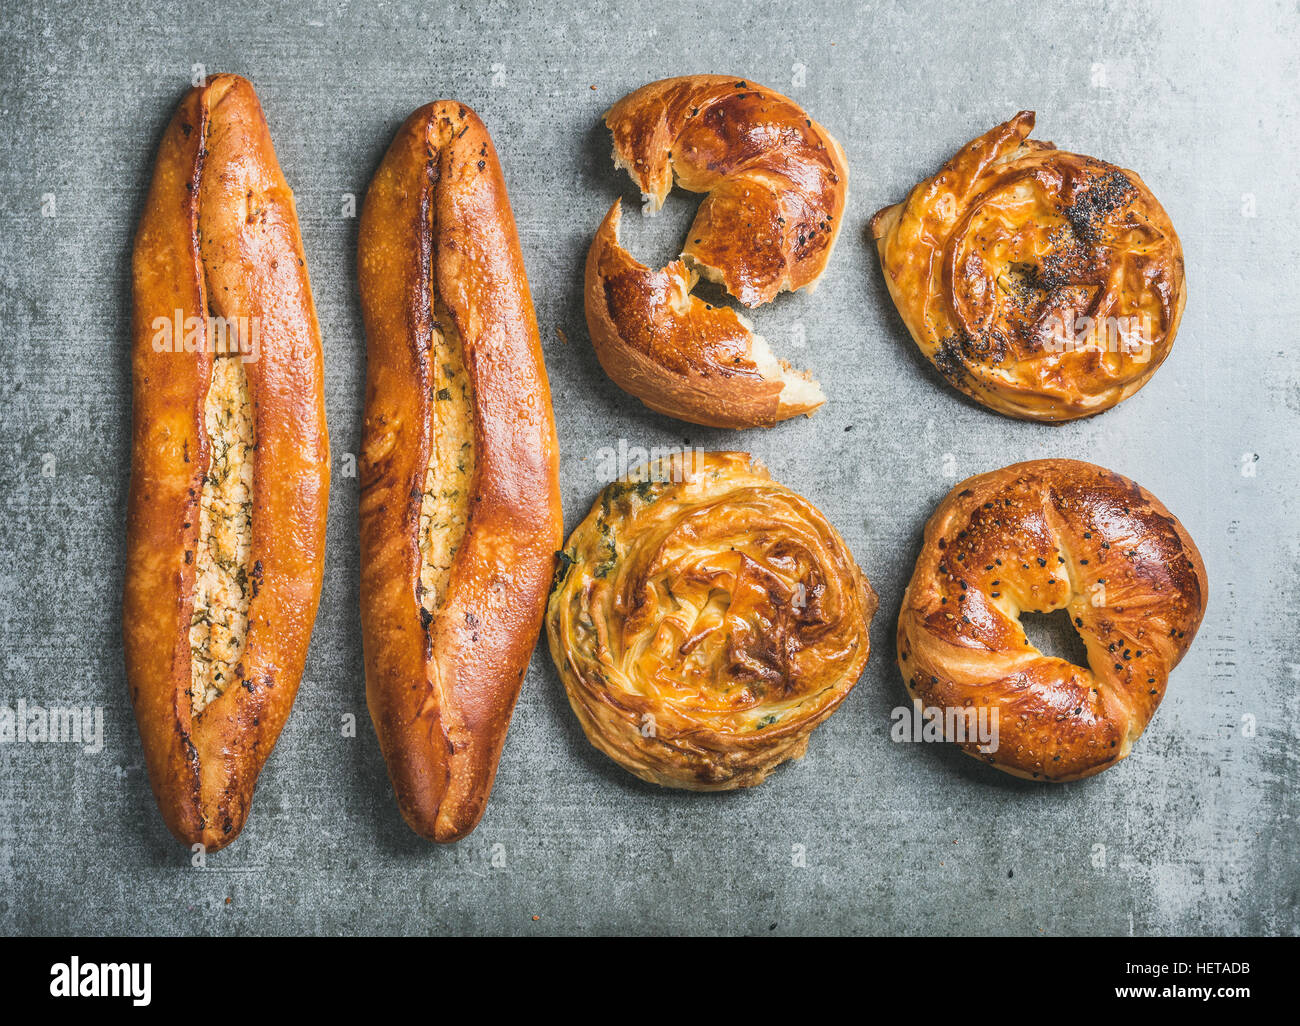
(704, 619)
(1046, 285)
(1038, 537)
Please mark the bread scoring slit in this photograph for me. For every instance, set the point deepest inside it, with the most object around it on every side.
(222, 564)
(222, 588)
(449, 472)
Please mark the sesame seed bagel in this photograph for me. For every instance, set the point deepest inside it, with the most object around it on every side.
(1038, 537)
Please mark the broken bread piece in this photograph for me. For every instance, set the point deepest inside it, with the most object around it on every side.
(775, 186)
(678, 354)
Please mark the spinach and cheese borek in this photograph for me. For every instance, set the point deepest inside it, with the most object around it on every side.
(704, 619)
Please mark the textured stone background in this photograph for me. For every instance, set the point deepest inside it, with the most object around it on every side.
(1198, 827)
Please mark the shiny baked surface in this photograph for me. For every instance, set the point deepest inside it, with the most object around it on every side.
(704, 619)
(775, 185)
(775, 181)
(459, 513)
(1044, 284)
(225, 542)
(1038, 537)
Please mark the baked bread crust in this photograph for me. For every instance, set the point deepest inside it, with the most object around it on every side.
(219, 232)
(437, 238)
(1046, 285)
(775, 185)
(1036, 537)
(704, 620)
(679, 355)
(776, 182)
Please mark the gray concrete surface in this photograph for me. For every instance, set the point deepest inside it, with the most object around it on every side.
(1195, 833)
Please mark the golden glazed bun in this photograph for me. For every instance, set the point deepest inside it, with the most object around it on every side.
(1046, 285)
(678, 354)
(775, 185)
(704, 620)
(1037, 537)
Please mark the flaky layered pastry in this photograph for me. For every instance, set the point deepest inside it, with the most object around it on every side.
(1044, 284)
(229, 467)
(460, 508)
(704, 619)
(775, 185)
(1038, 537)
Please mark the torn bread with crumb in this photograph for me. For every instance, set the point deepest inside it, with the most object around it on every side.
(775, 185)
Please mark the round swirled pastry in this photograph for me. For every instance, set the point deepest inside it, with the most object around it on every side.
(704, 620)
(1044, 284)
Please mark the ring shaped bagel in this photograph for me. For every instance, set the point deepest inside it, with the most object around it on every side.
(1045, 285)
(775, 185)
(704, 620)
(1038, 537)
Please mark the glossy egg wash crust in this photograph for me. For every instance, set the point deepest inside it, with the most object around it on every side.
(230, 463)
(222, 581)
(704, 619)
(775, 184)
(1038, 537)
(459, 513)
(1045, 285)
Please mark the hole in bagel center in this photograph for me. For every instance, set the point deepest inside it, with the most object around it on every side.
(785, 324)
(1054, 635)
(657, 239)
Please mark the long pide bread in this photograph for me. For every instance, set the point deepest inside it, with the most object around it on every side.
(460, 509)
(229, 467)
